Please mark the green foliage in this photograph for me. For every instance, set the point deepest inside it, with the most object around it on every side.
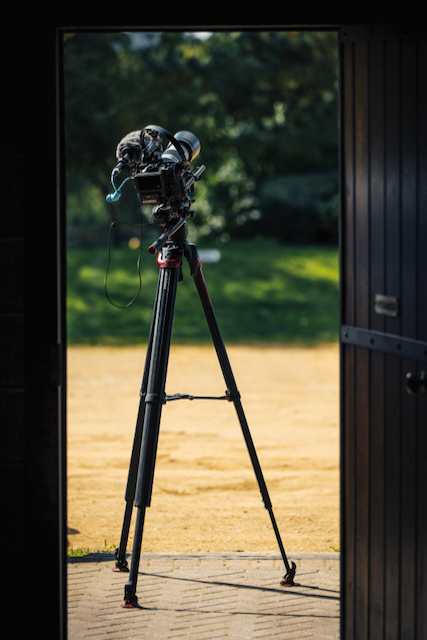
(264, 105)
(301, 207)
(262, 291)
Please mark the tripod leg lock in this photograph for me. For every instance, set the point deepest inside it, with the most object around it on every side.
(288, 578)
(155, 398)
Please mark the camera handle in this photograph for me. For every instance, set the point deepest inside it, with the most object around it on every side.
(197, 175)
(169, 136)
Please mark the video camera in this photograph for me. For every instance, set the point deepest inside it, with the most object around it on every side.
(162, 179)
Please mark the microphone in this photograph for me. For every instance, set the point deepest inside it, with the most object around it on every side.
(128, 152)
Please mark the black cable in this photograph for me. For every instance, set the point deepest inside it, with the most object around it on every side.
(138, 262)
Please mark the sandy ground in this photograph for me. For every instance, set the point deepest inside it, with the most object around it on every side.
(205, 495)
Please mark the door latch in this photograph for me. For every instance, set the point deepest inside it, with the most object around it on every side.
(415, 382)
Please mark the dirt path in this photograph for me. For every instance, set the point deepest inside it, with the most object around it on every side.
(205, 495)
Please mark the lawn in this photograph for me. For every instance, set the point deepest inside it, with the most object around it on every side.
(262, 292)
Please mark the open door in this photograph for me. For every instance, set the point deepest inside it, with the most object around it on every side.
(383, 333)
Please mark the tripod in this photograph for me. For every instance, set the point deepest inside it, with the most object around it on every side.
(152, 397)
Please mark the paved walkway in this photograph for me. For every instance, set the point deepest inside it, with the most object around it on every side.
(207, 596)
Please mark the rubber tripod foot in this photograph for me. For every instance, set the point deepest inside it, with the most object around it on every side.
(131, 603)
(288, 578)
(121, 567)
(130, 599)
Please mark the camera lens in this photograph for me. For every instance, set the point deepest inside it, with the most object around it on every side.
(189, 143)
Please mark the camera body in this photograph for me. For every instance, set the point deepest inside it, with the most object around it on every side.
(162, 179)
(160, 187)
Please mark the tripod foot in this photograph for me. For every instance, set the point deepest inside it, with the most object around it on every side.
(121, 566)
(130, 599)
(131, 603)
(288, 578)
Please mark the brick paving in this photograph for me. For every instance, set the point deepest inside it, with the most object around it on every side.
(207, 596)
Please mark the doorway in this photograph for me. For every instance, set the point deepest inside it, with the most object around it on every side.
(315, 267)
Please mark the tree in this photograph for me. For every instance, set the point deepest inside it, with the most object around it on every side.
(264, 105)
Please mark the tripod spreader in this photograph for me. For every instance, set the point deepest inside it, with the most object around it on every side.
(186, 396)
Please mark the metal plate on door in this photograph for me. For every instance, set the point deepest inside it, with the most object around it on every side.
(386, 305)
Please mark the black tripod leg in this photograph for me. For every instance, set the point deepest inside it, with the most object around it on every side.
(234, 396)
(154, 400)
(120, 553)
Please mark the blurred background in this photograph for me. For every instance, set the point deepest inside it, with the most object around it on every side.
(264, 106)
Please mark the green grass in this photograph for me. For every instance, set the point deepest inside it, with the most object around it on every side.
(79, 552)
(262, 292)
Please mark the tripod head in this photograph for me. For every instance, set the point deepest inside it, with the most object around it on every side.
(162, 179)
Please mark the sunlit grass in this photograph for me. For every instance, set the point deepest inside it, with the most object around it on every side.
(261, 291)
(80, 552)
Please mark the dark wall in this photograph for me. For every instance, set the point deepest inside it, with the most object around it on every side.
(384, 241)
(32, 390)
